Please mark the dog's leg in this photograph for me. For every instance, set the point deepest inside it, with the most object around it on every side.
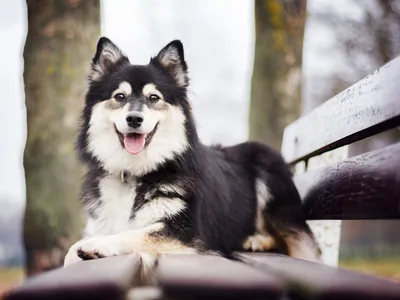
(72, 255)
(148, 239)
(131, 241)
(280, 222)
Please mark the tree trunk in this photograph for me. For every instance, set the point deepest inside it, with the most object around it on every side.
(60, 43)
(275, 90)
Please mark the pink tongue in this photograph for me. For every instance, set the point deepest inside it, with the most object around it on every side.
(134, 144)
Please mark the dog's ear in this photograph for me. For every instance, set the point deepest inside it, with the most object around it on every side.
(172, 58)
(107, 56)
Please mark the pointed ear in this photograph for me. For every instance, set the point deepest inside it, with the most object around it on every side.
(107, 56)
(172, 58)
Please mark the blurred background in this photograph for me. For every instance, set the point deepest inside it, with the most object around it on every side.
(255, 67)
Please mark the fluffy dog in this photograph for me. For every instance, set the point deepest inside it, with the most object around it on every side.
(151, 185)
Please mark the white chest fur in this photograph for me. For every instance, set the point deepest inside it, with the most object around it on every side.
(115, 211)
(113, 214)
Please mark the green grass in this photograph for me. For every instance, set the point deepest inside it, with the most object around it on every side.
(11, 276)
(385, 267)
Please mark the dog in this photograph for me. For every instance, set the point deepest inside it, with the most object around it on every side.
(152, 187)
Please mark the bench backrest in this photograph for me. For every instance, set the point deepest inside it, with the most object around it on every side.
(362, 187)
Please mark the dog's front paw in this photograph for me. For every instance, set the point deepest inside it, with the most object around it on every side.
(72, 255)
(99, 247)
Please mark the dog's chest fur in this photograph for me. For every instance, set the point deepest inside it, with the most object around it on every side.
(114, 211)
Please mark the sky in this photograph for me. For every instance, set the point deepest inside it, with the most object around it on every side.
(12, 112)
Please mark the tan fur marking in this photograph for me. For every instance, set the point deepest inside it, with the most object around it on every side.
(161, 105)
(127, 242)
(150, 89)
(113, 104)
(161, 245)
(124, 88)
(259, 242)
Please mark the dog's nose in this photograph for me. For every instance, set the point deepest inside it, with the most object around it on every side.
(135, 119)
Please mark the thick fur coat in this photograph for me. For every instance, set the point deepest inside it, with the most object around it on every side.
(152, 187)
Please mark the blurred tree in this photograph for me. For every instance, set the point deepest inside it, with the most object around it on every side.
(369, 43)
(60, 43)
(366, 34)
(275, 89)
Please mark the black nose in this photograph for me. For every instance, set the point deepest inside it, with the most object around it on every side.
(134, 120)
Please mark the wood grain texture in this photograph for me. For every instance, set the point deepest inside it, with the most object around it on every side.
(363, 187)
(213, 277)
(370, 106)
(106, 278)
(308, 280)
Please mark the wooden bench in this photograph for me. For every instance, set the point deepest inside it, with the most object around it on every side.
(362, 187)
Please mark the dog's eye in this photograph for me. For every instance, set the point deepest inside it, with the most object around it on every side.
(154, 98)
(119, 97)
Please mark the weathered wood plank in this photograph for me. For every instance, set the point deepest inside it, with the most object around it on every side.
(363, 187)
(308, 280)
(213, 277)
(106, 278)
(370, 106)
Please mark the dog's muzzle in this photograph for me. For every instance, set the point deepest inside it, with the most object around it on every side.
(134, 119)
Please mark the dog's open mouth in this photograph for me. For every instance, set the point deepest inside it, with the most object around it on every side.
(134, 143)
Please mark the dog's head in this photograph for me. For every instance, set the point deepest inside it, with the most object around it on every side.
(136, 116)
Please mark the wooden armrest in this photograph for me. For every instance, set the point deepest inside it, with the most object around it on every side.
(106, 278)
(308, 280)
(368, 107)
(366, 186)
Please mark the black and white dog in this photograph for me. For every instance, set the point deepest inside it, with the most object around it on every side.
(151, 186)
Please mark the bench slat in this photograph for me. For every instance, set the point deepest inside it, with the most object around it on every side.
(106, 278)
(209, 276)
(370, 106)
(363, 187)
(308, 280)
